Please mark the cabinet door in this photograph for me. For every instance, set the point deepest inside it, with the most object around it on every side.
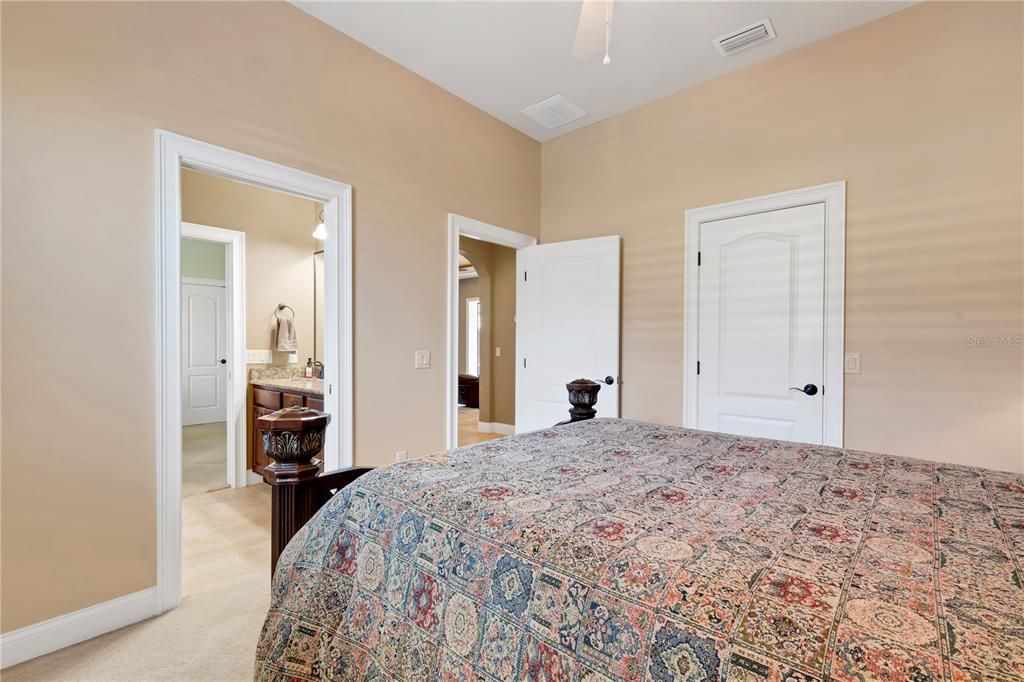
(259, 456)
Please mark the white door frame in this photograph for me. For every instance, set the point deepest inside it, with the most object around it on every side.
(234, 285)
(833, 196)
(460, 226)
(174, 152)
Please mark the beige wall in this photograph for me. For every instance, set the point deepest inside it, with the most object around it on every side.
(279, 249)
(921, 113)
(503, 335)
(496, 287)
(84, 87)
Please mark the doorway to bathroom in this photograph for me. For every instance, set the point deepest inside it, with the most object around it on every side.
(252, 299)
(267, 338)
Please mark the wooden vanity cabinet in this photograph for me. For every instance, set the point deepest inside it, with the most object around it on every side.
(266, 399)
(259, 456)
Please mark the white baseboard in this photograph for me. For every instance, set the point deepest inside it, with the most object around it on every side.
(28, 642)
(252, 478)
(496, 427)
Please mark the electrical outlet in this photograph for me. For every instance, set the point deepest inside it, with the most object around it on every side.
(497, 351)
(401, 455)
(421, 359)
(852, 363)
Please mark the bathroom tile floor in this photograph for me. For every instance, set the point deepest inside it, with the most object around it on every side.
(203, 458)
(225, 535)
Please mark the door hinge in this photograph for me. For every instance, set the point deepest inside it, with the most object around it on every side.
(698, 368)
(698, 259)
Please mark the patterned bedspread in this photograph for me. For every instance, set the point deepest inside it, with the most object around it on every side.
(614, 549)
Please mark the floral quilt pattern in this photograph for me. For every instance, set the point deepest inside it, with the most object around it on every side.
(621, 550)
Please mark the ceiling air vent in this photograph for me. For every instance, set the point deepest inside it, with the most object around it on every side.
(748, 36)
(555, 111)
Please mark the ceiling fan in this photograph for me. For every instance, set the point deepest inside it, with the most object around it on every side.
(594, 30)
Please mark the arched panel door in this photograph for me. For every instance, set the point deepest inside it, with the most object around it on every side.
(762, 324)
(204, 352)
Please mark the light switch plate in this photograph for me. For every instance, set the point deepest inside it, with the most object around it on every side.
(293, 358)
(497, 351)
(258, 357)
(401, 455)
(852, 363)
(421, 360)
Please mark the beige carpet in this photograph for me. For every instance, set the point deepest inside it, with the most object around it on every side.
(204, 450)
(210, 637)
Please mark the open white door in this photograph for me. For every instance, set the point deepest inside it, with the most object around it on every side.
(203, 350)
(567, 327)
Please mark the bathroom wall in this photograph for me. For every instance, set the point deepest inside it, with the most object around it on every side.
(278, 251)
(202, 259)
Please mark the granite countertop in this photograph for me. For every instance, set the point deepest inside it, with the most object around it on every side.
(312, 386)
(286, 379)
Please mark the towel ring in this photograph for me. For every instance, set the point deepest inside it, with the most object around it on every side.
(282, 306)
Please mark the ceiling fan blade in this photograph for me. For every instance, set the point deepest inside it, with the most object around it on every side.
(592, 29)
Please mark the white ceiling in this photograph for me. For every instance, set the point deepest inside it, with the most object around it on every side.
(504, 56)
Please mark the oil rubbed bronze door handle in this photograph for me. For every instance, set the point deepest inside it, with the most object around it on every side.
(809, 389)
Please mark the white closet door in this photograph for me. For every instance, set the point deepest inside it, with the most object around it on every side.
(762, 324)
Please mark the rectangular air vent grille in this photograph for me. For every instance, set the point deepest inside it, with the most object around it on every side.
(748, 36)
(554, 111)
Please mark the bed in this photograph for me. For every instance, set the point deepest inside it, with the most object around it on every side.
(616, 549)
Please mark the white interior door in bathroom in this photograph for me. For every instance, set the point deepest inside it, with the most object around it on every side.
(204, 354)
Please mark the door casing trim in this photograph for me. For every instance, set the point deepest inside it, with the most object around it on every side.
(833, 196)
(173, 152)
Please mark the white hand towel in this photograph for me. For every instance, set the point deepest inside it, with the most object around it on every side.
(287, 342)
